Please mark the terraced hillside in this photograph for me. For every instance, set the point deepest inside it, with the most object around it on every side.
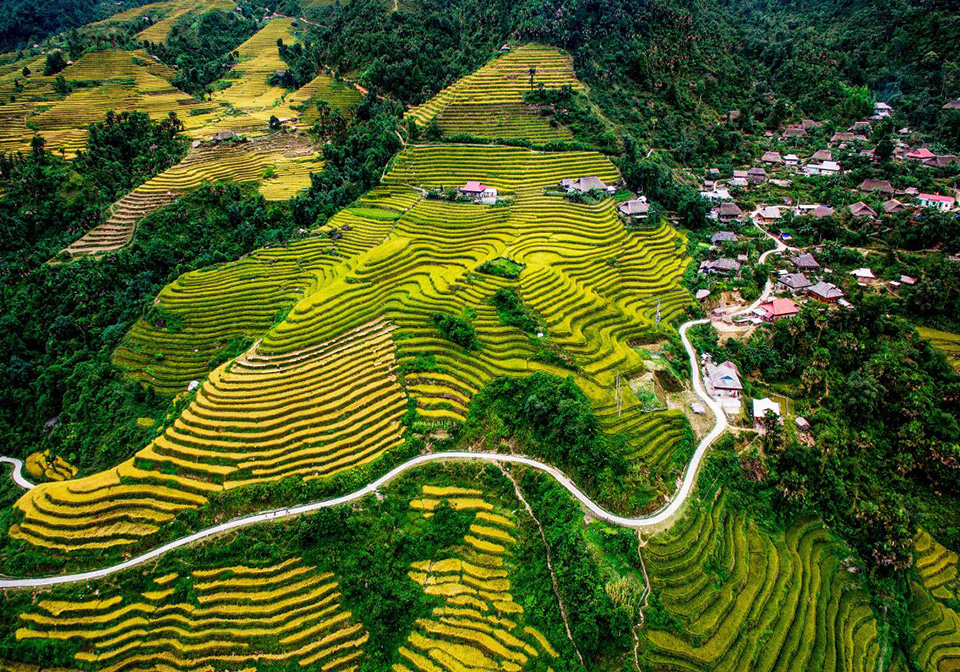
(934, 607)
(394, 261)
(479, 625)
(489, 103)
(289, 158)
(313, 413)
(113, 80)
(945, 341)
(248, 88)
(746, 600)
(201, 610)
(234, 616)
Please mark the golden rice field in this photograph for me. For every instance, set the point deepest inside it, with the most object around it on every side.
(134, 81)
(170, 13)
(250, 91)
(934, 606)
(41, 465)
(945, 341)
(216, 614)
(239, 617)
(750, 600)
(125, 81)
(319, 394)
(478, 625)
(314, 412)
(340, 96)
(489, 103)
(291, 159)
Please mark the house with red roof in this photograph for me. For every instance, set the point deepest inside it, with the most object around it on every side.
(479, 192)
(921, 154)
(937, 201)
(778, 309)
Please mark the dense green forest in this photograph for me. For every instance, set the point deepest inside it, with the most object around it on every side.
(24, 22)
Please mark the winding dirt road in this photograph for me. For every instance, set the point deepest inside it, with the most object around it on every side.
(659, 517)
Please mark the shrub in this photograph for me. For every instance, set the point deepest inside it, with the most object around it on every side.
(457, 330)
(512, 312)
(501, 267)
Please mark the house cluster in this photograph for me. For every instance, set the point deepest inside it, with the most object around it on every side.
(896, 199)
(806, 279)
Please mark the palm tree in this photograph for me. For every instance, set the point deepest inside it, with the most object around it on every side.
(533, 72)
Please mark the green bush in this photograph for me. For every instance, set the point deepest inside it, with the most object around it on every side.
(501, 267)
(457, 330)
(512, 312)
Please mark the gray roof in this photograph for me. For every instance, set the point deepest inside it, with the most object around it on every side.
(725, 264)
(861, 209)
(584, 184)
(883, 186)
(634, 207)
(822, 211)
(728, 209)
(893, 205)
(724, 376)
(795, 281)
(825, 290)
(822, 155)
(724, 237)
(804, 260)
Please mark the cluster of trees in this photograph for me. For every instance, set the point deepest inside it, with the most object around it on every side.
(885, 411)
(457, 330)
(354, 162)
(202, 47)
(550, 418)
(126, 149)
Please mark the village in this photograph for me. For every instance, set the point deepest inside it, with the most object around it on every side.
(765, 255)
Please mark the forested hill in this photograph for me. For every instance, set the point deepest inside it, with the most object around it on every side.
(665, 71)
(906, 52)
(23, 22)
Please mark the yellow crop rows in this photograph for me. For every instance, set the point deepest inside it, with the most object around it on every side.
(479, 625)
(113, 80)
(250, 91)
(237, 609)
(945, 341)
(41, 465)
(489, 103)
(749, 600)
(318, 392)
(935, 617)
(290, 157)
(313, 412)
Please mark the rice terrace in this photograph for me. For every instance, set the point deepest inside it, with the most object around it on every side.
(384, 335)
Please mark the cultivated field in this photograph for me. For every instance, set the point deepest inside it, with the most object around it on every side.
(748, 600)
(944, 340)
(319, 392)
(112, 80)
(489, 103)
(934, 609)
(478, 625)
(234, 616)
(290, 158)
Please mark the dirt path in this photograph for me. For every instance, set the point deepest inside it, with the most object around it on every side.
(546, 546)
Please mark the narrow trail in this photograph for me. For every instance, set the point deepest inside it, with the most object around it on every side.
(546, 546)
(652, 520)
